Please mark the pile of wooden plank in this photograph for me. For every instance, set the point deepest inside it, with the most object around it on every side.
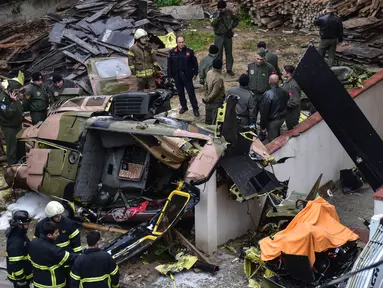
(62, 42)
(302, 13)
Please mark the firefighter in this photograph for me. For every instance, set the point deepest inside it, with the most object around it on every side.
(142, 61)
(18, 267)
(104, 274)
(47, 259)
(69, 238)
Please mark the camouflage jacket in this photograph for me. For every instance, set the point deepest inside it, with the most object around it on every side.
(11, 112)
(223, 22)
(215, 92)
(142, 61)
(259, 77)
(205, 66)
(36, 98)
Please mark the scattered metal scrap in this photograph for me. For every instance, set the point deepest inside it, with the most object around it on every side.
(62, 41)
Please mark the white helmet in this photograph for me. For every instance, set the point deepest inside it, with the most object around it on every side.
(53, 209)
(140, 33)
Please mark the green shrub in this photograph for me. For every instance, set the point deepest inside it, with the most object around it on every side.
(198, 40)
(164, 3)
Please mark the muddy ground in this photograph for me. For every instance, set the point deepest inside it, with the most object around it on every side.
(139, 272)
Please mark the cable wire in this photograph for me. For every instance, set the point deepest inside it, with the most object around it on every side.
(349, 275)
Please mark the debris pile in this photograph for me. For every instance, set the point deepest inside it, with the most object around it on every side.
(365, 44)
(301, 14)
(89, 29)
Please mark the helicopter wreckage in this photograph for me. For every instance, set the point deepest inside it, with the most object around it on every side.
(118, 159)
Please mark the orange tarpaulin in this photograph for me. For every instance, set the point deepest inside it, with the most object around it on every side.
(315, 229)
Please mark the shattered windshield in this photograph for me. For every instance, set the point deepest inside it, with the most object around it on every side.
(113, 68)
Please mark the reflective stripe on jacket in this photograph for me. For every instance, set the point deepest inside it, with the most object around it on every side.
(69, 237)
(104, 274)
(18, 266)
(142, 61)
(48, 263)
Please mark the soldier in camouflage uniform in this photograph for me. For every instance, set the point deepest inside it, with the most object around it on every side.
(11, 117)
(294, 103)
(270, 58)
(142, 61)
(223, 22)
(36, 99)
(215, 92)
(59, 84)
(206, 63)
(259, 72)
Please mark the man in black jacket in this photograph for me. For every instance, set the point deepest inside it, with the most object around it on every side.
(18, 267)
(104, 274)
(331, 32)
(273, 108)
(48, 260)
(182, 67)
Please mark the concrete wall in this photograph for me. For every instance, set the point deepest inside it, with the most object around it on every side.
(218, 218)
(317, 151)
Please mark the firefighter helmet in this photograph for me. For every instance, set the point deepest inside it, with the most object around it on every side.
(20, 217)
(140, 33)
(53, 209)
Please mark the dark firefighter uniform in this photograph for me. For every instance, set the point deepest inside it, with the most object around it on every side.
(223, 23)
(36, 101)
(141, 62)
(18, 267)
(104, 274)
(69, 238)
(48, 263)
(215, 94)
(11, 117)
(56, 91)
(182, 67)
